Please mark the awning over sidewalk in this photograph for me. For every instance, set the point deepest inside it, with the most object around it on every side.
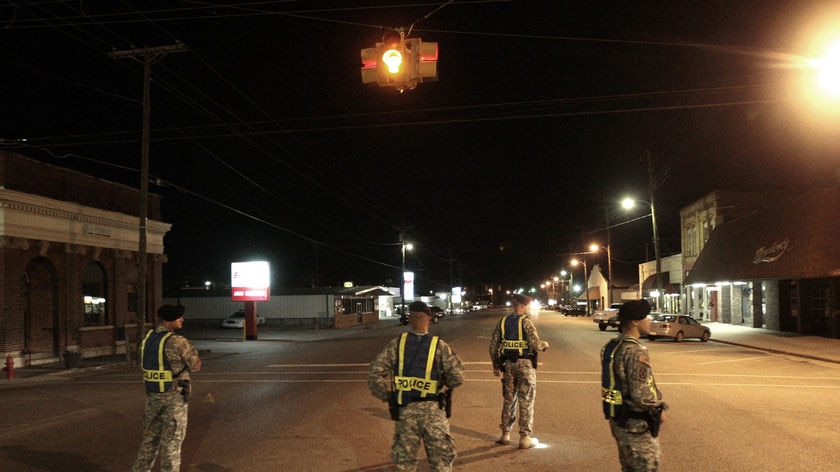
(795, 237)
(650, 282)
(667, 287)
(594, 294)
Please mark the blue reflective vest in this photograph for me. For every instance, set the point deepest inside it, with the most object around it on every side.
(611, 388)
(416, 377)
(157, 374)
(514, 343)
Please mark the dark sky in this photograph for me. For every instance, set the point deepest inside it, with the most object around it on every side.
(265, 143)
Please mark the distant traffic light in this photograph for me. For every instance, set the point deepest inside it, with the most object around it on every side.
(399, 62)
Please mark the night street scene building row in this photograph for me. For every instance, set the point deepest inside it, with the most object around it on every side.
(69, 246)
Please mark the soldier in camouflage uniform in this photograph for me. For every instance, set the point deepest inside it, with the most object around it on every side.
(632, 402)
(167, 391)
(416, 388)
(513, 352)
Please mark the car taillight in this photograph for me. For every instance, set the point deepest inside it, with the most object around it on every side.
(665, 326)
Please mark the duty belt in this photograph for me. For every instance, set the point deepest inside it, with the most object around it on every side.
(432, 398)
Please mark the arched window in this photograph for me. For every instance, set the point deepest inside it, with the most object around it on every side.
(94, 291)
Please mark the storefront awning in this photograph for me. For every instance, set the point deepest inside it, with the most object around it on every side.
(666, 285)
(594, 294)
(788, 238)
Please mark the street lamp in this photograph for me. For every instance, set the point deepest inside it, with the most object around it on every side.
(585, 281)
(829, 70)
(595, 248)
(551, 289)
(568, 284)
(628, 203)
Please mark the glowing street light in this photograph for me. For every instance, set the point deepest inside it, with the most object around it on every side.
(829, 70)
(575, 262)
(629, 203)
(595, 248)
(568, 284)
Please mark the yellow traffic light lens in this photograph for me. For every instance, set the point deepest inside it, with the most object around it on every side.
(393, 60)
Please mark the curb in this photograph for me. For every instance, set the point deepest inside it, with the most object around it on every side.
(777, 351)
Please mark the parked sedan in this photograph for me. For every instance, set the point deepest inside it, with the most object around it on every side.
(437, 314)
(237, 320)
(677, 327)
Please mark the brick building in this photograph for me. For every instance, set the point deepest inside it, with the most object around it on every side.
(69, 262)
(765, 259)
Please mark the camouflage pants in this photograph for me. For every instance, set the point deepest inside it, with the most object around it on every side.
(423, 421)
(164, 429)
(638, 451)
(519, 388)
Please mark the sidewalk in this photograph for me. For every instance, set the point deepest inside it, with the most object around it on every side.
(792, 344)
(202, 337)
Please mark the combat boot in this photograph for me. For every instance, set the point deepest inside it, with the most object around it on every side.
(505, 439)
(527, 442)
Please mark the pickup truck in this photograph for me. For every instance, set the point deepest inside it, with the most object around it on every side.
(607, 317)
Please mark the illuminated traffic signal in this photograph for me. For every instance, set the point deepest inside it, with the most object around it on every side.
(399, 62)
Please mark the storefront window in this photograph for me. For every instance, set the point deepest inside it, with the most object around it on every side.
(93, 295)
(354, 306)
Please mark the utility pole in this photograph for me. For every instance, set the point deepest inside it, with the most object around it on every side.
(608, 299)
(451, 282)
(149, 56)
(651, 192)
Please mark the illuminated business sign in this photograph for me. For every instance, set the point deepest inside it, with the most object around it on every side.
(408, 283)
(250, 281)
(456, 294)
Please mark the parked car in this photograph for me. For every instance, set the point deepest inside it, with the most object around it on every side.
(677, 327)
(607, 317)
(573, 310)
(437, 314)
(237, 320)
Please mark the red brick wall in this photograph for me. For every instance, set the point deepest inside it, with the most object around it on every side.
(27, 175)
(68, 262)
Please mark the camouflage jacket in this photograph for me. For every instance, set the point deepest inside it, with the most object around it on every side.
(496, 346)
(381, 373)
(181, 354)
(632, 367)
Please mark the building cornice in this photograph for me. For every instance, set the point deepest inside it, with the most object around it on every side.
(28, 216)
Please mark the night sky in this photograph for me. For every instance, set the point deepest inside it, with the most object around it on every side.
(266, 144)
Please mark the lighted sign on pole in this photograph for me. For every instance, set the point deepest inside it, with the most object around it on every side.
(408, 280)
(250, 281)
(456, 295)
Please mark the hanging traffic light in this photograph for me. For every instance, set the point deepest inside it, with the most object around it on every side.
(399, 62)
(393, 61)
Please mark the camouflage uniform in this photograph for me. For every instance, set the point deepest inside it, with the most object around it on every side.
(165, 416)
(418, 421)
(519, 377)
(638, 450)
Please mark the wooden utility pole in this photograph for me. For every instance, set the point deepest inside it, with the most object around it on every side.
(652, 192)
(149, 56)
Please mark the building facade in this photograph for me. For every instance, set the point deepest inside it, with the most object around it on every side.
(667, 298)
(69, 246)
(765, 259)
(317, 307)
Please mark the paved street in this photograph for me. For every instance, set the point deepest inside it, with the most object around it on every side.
(813, 347)
(297, 400)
